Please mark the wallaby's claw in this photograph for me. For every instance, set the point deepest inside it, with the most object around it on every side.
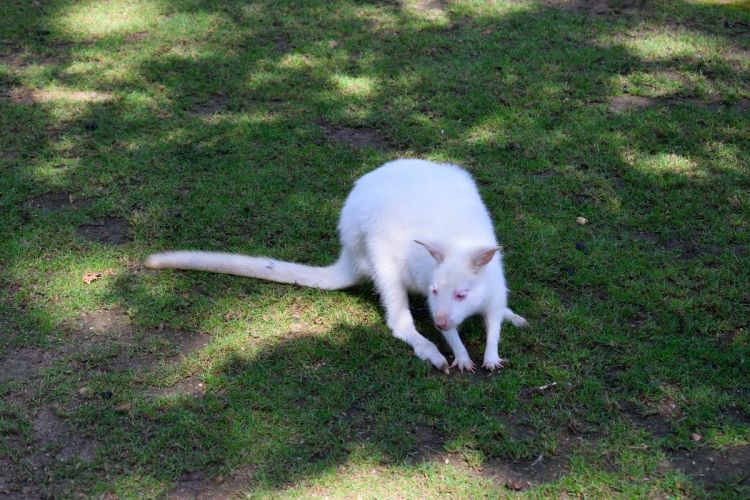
(494, 364)
(464, 364)
(445, 369)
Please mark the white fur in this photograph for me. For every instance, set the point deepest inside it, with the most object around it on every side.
(409, 226)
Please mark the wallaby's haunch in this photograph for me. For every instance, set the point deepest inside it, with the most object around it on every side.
(410, 226)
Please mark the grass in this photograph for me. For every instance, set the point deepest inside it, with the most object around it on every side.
(240, 126)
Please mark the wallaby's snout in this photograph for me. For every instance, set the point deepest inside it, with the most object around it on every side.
(442, 321)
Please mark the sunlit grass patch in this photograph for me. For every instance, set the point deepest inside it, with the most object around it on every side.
(355, 86)
(236, 126)
(97, 18)
(60, 94)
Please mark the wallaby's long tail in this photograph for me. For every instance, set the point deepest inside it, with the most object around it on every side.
(514, 318)
(341, 274)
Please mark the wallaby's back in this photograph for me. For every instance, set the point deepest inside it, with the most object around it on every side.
(421, 198)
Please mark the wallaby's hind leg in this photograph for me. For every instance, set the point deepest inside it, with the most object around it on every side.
(400, 321)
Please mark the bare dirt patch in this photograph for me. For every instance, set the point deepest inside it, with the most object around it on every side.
(136, 37)
(714, 467)
(628, 103)
(597, 7)
(47, 426)
(191, 387)
(19, 364)
(507, 473)
(27, 362)
(107, 322)
(646, 236)
(544, 174)
(672, 76)
(429, 445)
(621, 104)
(196, 485)
(56, 440)
(431, 6)
(111, 230)
(184, 343)
(214, 104)
(522, 474)
(14, 59)
(359, 138)
(283, 46)
(110, 343)
(58, 201)
(688, 249)
(655, 424)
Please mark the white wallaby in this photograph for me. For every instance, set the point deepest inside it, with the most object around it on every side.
(410, 226)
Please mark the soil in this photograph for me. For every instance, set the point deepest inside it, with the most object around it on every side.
(626, 103)
(191, 387)
(428, 445)
(52, 438)
(431, 6)
(109, 322)
(111, 230)
(283, 46)
(136, 37)
(713, 467)
(597, 7)
(522, 474)
(359, 138)
(511, 474)
(195, 485)
(58, 201)
(655, 424)
(21, 363)
(211, 106)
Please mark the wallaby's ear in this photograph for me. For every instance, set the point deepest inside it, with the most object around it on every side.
(436, 253)
(483, 257)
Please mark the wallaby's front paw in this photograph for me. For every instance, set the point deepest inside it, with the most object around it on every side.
(429, 352)
(493, 363)
(463, 364)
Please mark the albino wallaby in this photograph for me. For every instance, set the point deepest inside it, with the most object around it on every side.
(410, 226)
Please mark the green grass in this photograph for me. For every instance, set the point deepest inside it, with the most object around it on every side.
(206, 124)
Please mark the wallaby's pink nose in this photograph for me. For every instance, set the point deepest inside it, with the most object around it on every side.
(441, 321)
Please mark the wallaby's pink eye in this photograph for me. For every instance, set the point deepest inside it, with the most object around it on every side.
(460, 295)
(434, 290)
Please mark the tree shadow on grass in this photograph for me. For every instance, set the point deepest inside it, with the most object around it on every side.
(306, 405)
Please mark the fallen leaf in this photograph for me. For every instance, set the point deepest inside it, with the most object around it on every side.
(516, 485)
(89, 277)
(123, 407)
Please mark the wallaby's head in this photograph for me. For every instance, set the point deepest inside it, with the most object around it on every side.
(458, 286)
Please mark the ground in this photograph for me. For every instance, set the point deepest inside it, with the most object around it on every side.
(133, 127)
